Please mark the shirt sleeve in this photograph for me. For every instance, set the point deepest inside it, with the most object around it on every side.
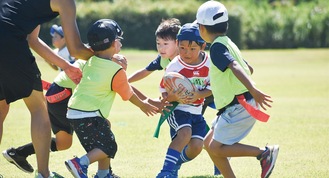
(155, 64)
(121, 86)
(220, 56)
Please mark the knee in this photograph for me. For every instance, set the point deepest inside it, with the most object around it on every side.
(63, 145)
(214, 149)
(196, 146)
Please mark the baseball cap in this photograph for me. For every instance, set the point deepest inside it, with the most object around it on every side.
(211, 13)
(56, 29)
(190, 32)
(102, 33)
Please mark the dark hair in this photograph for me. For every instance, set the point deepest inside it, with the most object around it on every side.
(168, 29)
(197, 42)
(217, 28)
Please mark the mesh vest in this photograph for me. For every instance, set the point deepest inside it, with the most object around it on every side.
(94, 92)
(164, 62)
(64, 81)
(225, 85)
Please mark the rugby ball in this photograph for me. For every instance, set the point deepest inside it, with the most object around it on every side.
(175, 81)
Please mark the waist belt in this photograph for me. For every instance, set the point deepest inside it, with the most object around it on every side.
(60, 96)
(242, 99)
(255, 113)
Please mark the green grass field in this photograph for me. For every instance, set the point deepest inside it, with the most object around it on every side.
(297, 80)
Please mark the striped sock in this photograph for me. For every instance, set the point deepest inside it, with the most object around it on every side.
(170, 160)
(183, 157)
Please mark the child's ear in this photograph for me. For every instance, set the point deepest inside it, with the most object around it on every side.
(203, 47)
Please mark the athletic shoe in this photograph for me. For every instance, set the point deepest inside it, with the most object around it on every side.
(108, 176)
(76, 169)
(20, 161)
(114, 175)
(52, 175)
(267, 160)
(175, 171)
(165, 175)
(55, 175)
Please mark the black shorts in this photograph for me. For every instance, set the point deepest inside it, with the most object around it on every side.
(94, 132)
(19, 73)
(57, 115)
(57, 111)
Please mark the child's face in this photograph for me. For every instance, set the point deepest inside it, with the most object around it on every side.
(190, 51)
(166, 48)
(58, 41)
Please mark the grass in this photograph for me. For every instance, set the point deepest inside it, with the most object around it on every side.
(297, 80)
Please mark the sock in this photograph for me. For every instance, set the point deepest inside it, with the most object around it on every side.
(102, 173)
(25, 150)
(183, 157)
(53, 146)
(84, 160)
(28, 149)
(170, 160)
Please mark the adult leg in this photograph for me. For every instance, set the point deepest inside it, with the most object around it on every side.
(40, 130)
(4, 108)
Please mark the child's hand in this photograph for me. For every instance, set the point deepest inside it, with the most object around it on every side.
(161, 104)
(261, 98)
(121, 60)
(149, 109)
(179, 96)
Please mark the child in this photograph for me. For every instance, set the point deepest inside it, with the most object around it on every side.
(92, 99)
(57, 97)
(187, 125)
(231, 84)
(58, 41)
(166, 45)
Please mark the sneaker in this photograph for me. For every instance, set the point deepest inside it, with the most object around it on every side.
(108, 176)
(52, 175)
(114, 175)
(165, 174)
(267, 160)
(175, 171)
(55, 175)
(76, 169)
(20, 161)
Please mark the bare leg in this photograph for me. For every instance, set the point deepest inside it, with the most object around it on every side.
(63, 140)
(40, 130)
(220, 152)
(4, 108)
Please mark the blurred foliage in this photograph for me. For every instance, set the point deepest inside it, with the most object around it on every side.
(252, 23)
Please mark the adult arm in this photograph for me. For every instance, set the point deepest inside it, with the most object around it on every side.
(67, 12)
(50, 56)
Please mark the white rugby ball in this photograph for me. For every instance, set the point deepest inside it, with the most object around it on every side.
(175, 81)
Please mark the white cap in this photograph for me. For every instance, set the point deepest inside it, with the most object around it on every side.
(211, 13)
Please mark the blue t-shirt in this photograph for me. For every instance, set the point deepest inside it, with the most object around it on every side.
(220, 51)
(155, 64)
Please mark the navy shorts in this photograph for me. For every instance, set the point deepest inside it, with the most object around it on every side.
(19, 73)
(94, 132)
(179, 119)
(57, 111)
